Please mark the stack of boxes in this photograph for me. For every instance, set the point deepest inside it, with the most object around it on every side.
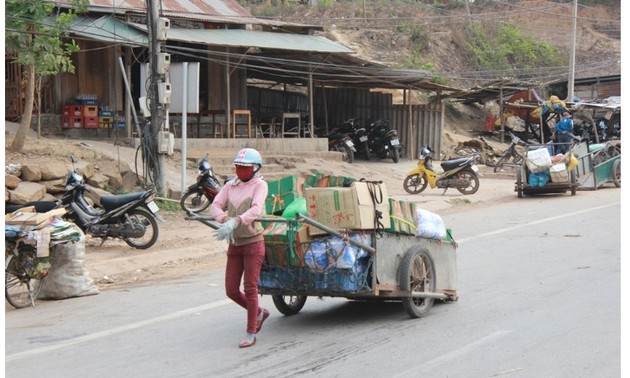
(90, 116)
(71, 116)
(105, 119)
(85, 114)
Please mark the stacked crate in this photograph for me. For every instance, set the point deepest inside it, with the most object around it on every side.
(90, 116)
(105, 119)
(71, 116)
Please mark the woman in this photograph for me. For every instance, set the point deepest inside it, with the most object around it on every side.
(237, 206)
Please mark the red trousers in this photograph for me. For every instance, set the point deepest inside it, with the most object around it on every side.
(244, 262)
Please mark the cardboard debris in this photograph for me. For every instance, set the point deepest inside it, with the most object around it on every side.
(27, 215)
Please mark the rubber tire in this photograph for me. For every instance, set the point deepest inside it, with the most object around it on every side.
(573, 181)
(419, 188)
(292, 307)
(473, 178)
(204, 203)
(395, 155)
(366, 151)
(410, 279)
(34, 285)
(519, 183)
(347, 153)
(152, 222)
(616, 173)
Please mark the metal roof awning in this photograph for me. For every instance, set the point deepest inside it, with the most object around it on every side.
(108, 29)
(280, 57)
(253, 38)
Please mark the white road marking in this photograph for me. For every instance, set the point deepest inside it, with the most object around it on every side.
(125, 328)
(539, 221)
(455, 354)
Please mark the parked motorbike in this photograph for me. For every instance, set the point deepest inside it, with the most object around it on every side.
(383, 141)
(200, 195)
(460, 174)
(131, 217)
(341, 141)
(359, 136)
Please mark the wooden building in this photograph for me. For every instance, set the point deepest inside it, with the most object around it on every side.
(262, 69)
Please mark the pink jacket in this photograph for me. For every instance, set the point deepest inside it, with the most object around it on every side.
(245, 201)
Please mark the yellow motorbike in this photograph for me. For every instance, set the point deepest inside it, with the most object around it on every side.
(460, 174)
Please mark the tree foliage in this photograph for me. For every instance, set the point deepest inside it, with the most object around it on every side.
(502, 47)
(35, 34)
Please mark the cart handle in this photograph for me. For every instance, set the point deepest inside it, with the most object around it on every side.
(211, 222)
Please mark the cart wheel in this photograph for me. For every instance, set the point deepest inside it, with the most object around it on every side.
(519, 183)
(573, 183)
(417, 273)
(289, 305)
(616, 173)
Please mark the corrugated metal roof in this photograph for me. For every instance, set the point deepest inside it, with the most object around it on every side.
(215, 11)
(108, 29)
(252, 38)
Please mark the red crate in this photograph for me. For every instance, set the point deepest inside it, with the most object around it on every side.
(71, 122)
(89, 110)
(90, 122)
(70, 110)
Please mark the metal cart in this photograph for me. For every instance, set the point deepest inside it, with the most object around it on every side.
(599, 164)
(415, 271)
(523, 187)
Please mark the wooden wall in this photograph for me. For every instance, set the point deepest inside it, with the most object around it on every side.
(417, 125)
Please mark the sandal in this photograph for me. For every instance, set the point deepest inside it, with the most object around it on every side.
(246, 343)
(260, 322)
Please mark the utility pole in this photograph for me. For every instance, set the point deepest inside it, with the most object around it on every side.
(570, 88)
(159, 93)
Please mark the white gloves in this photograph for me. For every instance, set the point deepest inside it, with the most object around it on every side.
(226, 230)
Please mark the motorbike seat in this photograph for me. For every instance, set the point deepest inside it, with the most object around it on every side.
(115, 201)
(454, 163)
(40, 206)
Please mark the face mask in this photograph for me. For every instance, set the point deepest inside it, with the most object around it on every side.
(244, 173)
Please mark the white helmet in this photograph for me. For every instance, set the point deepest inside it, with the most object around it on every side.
(248, 156)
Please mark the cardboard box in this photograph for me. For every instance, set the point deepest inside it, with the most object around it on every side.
(28, 216)
(558, 173)
(346, 208)
(282, 192)
(401, 219)
(285, 247)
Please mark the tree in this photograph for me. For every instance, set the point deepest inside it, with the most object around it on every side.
(37, 37)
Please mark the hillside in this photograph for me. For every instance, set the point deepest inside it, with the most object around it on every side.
(406, 33)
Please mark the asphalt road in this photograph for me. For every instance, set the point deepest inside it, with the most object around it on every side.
(539, 296)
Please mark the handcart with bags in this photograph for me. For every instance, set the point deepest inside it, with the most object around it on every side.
(305, 257)
(543, 171)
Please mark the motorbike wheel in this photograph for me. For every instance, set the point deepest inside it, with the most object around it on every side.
(473, 186)
(194, 202)
(20, 289)
(150, 236)
(366, 151)
(415, 184)
(347, 154)
(395, 155)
